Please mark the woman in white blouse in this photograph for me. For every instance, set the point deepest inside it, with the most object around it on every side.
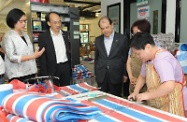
(19, 55)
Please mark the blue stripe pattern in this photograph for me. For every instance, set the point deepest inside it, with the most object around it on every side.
(103, 118)
(127, 111)
(61, 110)
(79, 89)
(10, 116)
(21, 104)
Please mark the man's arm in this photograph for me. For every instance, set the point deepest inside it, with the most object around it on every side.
(125, 53)
(42, 58)
(96, 55)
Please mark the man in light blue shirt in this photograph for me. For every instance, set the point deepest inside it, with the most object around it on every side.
(111, 51)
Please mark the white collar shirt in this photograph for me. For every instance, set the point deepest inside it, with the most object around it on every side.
(60, 48)
(108, 42)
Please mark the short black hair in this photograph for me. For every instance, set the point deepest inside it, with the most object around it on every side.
(140, 40)
(105, 17)
(47, 17)
(13, 17)
(143, 25)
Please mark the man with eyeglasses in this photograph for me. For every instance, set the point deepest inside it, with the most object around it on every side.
(55, 61)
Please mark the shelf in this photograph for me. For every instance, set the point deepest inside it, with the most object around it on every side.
(85, 30)
(38, 20)
(45, 8)
(38, 31)
(65, 14)
(47, 4)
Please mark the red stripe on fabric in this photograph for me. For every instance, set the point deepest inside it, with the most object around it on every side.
(11, 100)
(86, 86)
(45, 111)
(110, 112)
(68, 90)
(59, 96)
(33, 107)
(145, 110)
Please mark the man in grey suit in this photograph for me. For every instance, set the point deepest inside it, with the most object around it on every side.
(111, 51)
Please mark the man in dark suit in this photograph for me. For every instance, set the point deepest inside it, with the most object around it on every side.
(111, 51)
(55, 61)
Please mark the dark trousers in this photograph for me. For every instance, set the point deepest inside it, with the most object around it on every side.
(63, 71)
(25, 78)
(126, 88)
(108, 87)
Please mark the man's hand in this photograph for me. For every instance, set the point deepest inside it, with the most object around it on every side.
(125, 79)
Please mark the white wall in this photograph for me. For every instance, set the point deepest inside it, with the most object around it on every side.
(105, 3)
(170, 16)
(154, 5)
(183, 37)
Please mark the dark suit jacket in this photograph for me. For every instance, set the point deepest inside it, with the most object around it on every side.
(115, 63)
(47, 60)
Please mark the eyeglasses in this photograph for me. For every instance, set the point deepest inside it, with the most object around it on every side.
(23, 21)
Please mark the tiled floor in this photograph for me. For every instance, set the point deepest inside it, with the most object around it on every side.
(90, 66)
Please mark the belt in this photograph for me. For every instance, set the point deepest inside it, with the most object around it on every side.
(107, 67)
(1, 76)
(62, 63)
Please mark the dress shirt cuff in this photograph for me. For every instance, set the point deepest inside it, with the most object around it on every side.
(19, 59)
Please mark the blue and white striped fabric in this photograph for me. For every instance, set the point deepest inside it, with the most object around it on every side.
(182, 58)
(120, 110)
(45, 109)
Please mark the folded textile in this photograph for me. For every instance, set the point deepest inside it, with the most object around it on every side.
(79, 68)
(14, 118)
(182, 58)
(45, 88)
(42, 87)
(80, 71)
(3, 115)
(46, 109)
(76, 89)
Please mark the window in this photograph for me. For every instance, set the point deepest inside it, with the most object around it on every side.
(84, 33)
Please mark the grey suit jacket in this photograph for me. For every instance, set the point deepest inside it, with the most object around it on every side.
(115, 63)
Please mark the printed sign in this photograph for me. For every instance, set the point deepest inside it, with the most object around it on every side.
(143, 12)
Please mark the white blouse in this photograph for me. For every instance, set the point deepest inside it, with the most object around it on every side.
(15, 47)
(2, 66)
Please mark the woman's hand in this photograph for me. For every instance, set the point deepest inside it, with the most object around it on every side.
(132, 96)
(142, 96)
(38, 53)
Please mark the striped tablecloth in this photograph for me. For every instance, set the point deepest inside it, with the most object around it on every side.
(115, 109)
